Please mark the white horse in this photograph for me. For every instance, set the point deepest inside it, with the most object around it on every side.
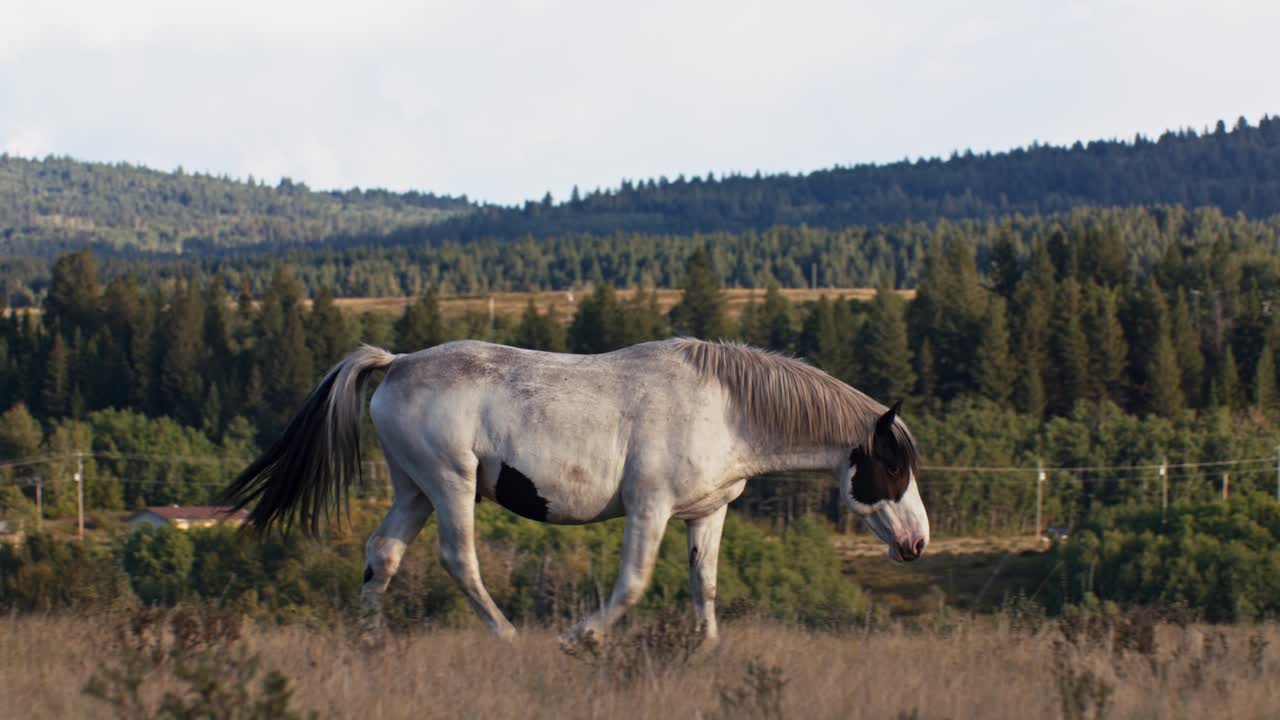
(661, 430)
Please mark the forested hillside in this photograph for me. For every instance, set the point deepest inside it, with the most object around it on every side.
(49, 205)
(1237, 170)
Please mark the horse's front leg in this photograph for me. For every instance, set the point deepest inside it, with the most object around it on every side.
(704, 554)
(641, 540)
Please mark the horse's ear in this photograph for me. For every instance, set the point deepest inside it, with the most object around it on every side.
(885, 424)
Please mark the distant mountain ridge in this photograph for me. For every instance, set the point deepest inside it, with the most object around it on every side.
(57, 203)
(1236, 170)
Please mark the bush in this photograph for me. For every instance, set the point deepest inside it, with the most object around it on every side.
(1218, 559)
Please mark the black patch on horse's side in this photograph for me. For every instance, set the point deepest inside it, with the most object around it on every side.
(368, 573)
(693, 555)
(517, 493)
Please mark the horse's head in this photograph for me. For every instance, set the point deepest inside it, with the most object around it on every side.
(879, 483)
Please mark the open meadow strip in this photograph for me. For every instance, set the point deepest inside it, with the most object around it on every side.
(961, 669)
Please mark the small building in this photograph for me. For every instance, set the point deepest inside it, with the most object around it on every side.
(186, 517)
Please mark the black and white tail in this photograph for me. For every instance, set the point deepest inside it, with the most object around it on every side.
(306, 472)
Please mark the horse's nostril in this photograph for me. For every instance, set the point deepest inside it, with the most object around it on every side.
(919, 547)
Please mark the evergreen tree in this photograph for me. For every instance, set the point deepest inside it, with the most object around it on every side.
(1264, 383)
(995, 369)
(1165, 380)
(1229, 392)
(329, 332)
(422, 325)
(537, 331)
(926, 383)
(1186, 343)
(642, 320)
(181, 381)
(1109, 356)
(700, 312)
(56, 392)
(74, 291)
(1068, 351)
(821, 342)
(884, 349)
(771, 324)
(1005, 270)
(597, 322)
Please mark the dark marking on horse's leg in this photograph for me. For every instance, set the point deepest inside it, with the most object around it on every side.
(368, 573)
(693, 556)
(517, 493)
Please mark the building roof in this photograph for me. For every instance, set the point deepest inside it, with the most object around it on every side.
(194, 512)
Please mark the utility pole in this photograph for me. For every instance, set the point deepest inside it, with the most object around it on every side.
(1039, 498)
(80, 494)
(491, 318)
(1164, 488)
(1226, 486)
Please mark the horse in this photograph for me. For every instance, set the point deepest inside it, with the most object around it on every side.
(655, 431)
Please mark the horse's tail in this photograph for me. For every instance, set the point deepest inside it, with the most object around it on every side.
(306, 473)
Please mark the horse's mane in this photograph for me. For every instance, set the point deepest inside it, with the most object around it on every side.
(790, 401)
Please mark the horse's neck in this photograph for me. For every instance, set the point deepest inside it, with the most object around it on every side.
(759, 461)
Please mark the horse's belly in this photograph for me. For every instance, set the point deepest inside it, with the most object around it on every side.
(562, 493)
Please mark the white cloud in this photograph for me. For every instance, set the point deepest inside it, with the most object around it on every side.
(504, 101)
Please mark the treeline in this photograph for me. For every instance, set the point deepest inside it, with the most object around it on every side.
(789, 256)
(50, 205)
(1235, 170)
(1069, 354)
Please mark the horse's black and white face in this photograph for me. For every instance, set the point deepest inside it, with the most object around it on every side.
(879, 483)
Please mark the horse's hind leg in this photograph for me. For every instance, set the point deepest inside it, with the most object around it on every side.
(410, 510)
(455, 503)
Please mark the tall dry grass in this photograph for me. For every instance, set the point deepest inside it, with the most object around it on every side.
(965, 669)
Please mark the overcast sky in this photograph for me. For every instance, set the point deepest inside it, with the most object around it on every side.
(504, 101)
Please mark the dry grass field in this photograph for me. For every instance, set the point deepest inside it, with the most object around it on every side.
(564, 303)
(955, 669)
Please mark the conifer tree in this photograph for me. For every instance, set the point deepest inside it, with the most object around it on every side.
(1109, 357)
(700, 312)
(1068, 351)
(597, 322)
(1264, 383)
(1005, 271)
(56, 392)
(1228, 383)
(994, 365)
(1186, 343)
(1164, 388)
(642, 319)
(884, 349)
(74, 291)
(182, 384)
(422, 325)
(926, 384)
(329, 331)
(538, 331)
(777, 321)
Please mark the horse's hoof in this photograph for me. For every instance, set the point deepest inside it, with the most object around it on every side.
(580, 640)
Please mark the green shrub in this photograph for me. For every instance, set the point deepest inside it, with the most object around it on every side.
(1219, 560)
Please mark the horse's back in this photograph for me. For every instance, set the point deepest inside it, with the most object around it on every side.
(574, 426)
